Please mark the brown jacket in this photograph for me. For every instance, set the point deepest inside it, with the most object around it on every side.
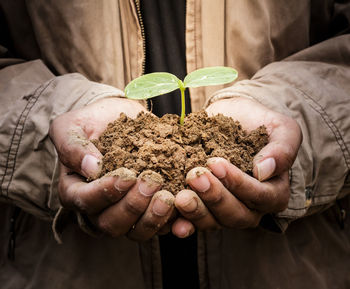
(286, 60)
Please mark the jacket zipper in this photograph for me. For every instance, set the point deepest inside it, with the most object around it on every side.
(139, 16)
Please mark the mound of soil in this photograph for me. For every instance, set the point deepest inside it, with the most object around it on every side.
(163, 146)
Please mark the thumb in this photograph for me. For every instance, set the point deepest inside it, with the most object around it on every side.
(75, 150)
(279, 154)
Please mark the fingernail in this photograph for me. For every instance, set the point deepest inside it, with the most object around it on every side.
(217, 167)
(161, 207)
(125, 178)
(147, 188)
(123, 185)
(150, 183)
(266, 168)
(90, 166)
(190, 205)
(199, 180)
(185, 231)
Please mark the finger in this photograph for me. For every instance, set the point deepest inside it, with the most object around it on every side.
(118, 219)
(227, 209)
(192, 208)
(155, 217)
(74, 148)
(95, 196)
(165, 229)
(279, 154)
(182, 228)
(269, 196)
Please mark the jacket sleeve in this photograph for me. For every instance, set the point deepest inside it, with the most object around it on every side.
(313, 87)
(30, 98)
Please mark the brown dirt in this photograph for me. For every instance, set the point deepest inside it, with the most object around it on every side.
(163, 146)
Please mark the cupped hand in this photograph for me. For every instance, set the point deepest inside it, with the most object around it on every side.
(119, 203)
(224, 196)
(71, 133)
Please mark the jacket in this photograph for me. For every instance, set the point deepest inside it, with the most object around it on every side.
(292, 56)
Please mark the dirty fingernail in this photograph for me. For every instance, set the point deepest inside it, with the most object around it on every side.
(90, 166)
(150, 183)
(198, 179)
(123, 185)
(161, 207)
(147, 189)
(201, 183)
(266, 168)
(217, 167)
(125, 178)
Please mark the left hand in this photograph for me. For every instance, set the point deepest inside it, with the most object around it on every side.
(226, 196)
(117, 204)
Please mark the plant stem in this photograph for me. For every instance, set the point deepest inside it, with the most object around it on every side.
(183, 112)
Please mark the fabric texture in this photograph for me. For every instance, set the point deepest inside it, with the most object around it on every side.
(318, 107)
(285, 61)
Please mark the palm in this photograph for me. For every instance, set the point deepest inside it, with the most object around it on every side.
(249, 113)
(94, 118)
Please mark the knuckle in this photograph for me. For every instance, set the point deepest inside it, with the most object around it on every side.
(64, 199)
(276, 121)
(80, 204)
(111, 195)
(151, 225)
(286, 154)
(236, 181)
(255, 221)
(106, 226)
(198, 214)
(213, 199)
(134, 207)
(63, 152)
(260, 199)
(289, 155)
(64, 196)
(282, 200)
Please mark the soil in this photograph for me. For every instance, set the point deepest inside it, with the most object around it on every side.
(163, 146)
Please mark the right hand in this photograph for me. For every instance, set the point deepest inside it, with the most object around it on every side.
(119, 204)
(227, 197)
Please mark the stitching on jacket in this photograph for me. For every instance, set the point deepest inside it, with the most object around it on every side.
(306, 208)
(320, 110)
(17, 136)
(338, 137)
(297, 209)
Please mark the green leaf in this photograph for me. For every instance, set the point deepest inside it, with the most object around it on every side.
(210, 76)
(151, 85)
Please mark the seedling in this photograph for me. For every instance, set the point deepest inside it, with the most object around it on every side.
(158, 83)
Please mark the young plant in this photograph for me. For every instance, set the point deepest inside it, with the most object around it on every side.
(158, 83)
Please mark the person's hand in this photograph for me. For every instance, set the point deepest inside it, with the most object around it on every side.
(119, 203)
(224, 196)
